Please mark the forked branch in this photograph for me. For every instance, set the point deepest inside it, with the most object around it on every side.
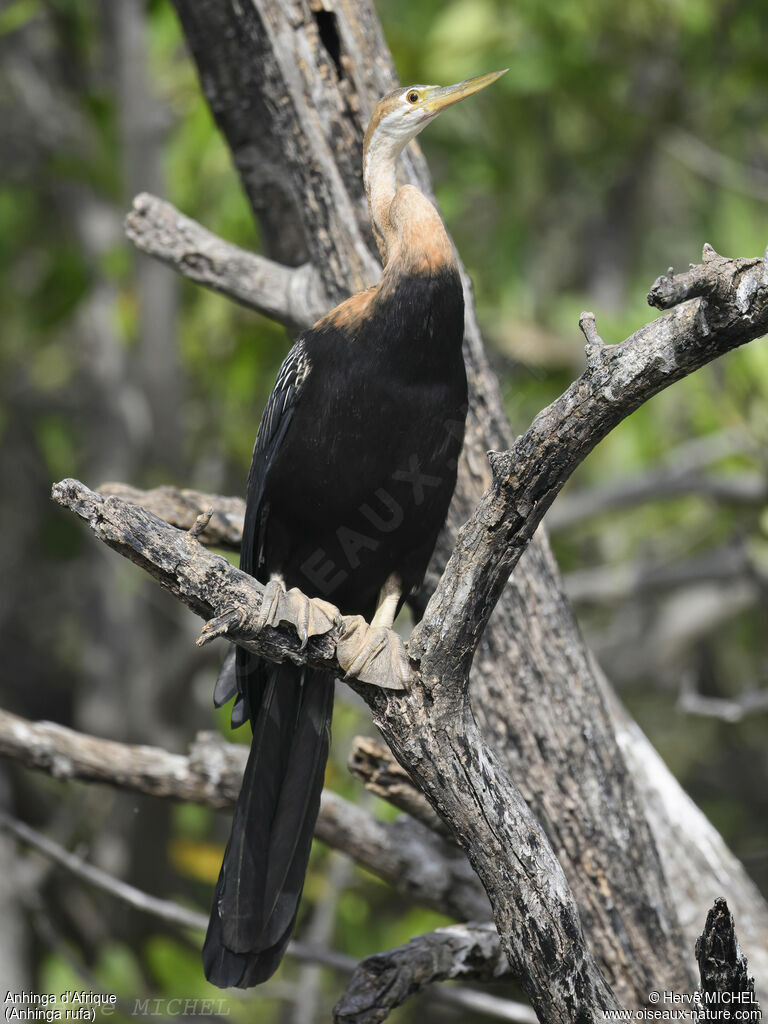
(525, 482)
(616, 381)
(430, 728)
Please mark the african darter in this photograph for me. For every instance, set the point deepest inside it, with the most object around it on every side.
(353, 470)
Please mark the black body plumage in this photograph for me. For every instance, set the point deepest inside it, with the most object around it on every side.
(353, 471)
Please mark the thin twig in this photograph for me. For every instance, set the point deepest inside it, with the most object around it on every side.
(403, 853)
(595, 347)
(173, 913)
(201, 524)
(727, 709)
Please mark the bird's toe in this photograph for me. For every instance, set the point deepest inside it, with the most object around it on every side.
(271, 601)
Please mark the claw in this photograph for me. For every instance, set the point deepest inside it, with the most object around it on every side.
(372, 654)
(219, 625)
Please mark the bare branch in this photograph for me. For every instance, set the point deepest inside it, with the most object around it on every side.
(452, 763)
(173, 913)
(717, 277)
(183, 507)
(726, 563)
(404, 853)
(204, 581)
(386, 980)
(681, 473)
(727, 709)
(371, 762)
(210, 776)
(292, 296)
(527, 479)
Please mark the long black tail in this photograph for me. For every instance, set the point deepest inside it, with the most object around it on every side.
(262, 875)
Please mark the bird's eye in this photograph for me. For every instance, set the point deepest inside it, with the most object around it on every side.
(413, 96)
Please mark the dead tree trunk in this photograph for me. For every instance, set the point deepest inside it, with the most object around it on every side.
(291, 85)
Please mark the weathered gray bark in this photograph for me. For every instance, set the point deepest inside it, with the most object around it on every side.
(727, 988)
(307, 152)
(385, 980)
(371, 762)
(292, 296)
(183, 507)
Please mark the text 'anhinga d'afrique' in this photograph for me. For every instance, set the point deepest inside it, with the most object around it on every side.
(353, 470)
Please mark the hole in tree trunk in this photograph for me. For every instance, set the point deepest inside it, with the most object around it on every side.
(329, 36)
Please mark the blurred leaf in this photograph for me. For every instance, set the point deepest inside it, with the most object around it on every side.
(57, 443)
(116, 971)
(196, 859)
(176, 970)
(17, 14)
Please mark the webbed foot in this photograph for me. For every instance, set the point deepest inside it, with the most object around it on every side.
(373, 654)
(309, 616)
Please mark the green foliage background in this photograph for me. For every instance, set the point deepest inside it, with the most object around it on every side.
(623, 138)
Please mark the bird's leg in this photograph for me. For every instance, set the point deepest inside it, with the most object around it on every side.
(373, 653)
(310, 616)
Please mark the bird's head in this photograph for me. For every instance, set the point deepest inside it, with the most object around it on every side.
(401, 114)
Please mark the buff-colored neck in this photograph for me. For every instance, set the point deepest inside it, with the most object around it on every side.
(407, 227)
(380, 177)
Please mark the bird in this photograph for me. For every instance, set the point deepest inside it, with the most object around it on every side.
(353, 470)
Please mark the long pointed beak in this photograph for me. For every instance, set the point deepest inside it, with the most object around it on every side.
(441, 97)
